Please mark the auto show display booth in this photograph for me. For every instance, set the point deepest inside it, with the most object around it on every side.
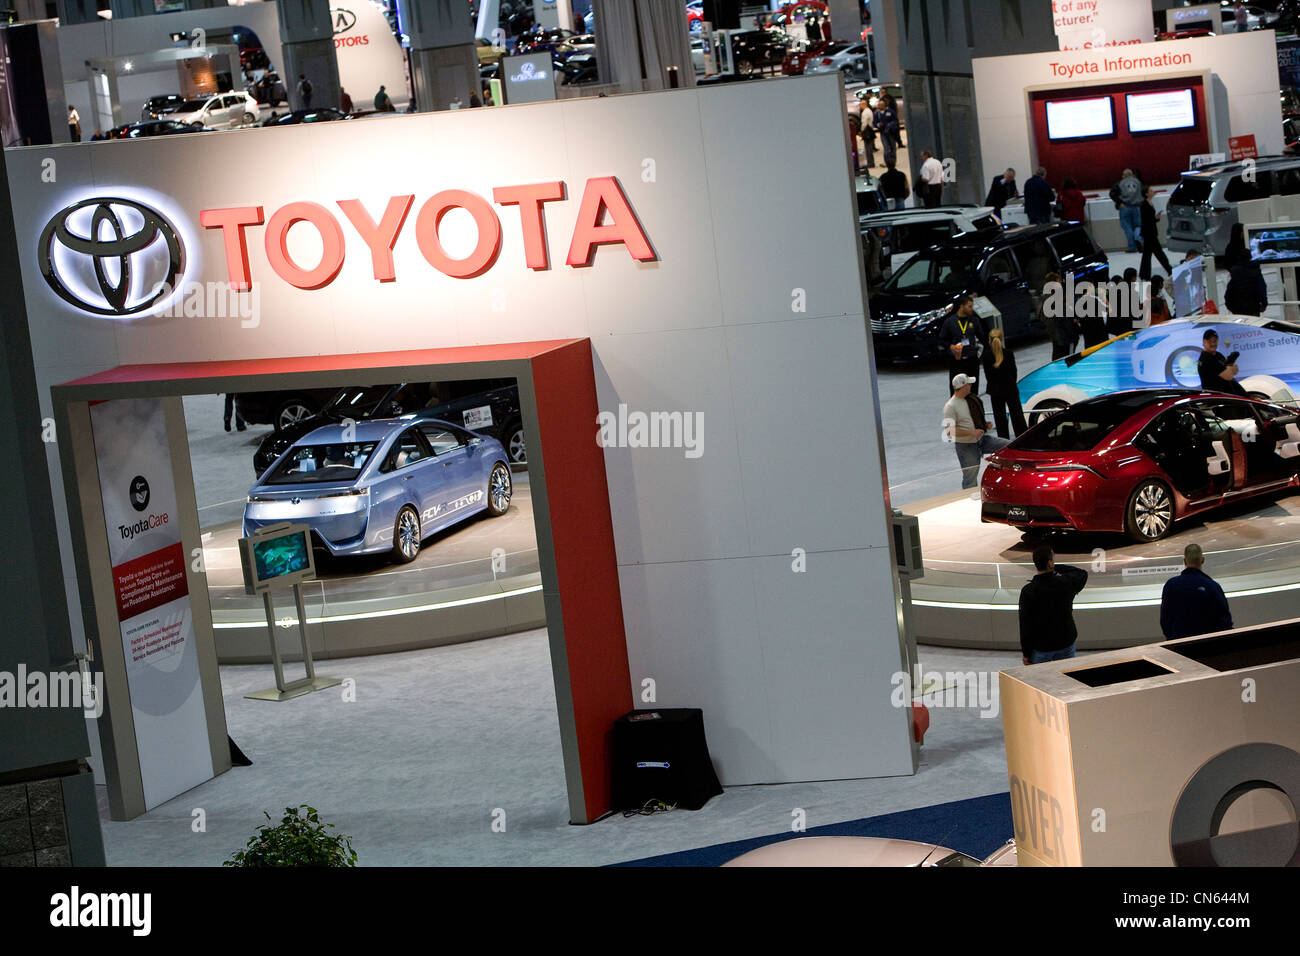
(751, 559)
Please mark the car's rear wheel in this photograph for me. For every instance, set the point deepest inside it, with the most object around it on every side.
(744, 67)
(516, 447)
(291, 413)
(1046, 409)
(406, 535)
(1150, 512)
(1181, 367)
(499, 490)
(249, 119)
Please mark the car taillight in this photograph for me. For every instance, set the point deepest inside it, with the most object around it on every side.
(826, 61)
(1070, 466)
(882, 231)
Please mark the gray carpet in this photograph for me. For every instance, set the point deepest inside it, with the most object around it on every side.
(439, 739)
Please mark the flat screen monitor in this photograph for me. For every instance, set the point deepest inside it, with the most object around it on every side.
(1274, 243)
(277, 558)
(1156, 112)
(1078, 119)
(1188, 280)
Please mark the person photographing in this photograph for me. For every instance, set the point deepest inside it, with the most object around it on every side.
(1047, 631)
(1218, 373)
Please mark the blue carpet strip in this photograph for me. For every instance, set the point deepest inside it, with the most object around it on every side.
(977, 827)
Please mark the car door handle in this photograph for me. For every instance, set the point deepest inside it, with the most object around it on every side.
(407, 477)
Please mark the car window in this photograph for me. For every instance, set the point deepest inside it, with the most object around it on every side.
(938, 270)
(1236, 415)
(1287, 181)
(408, 449)
(442, 439)
(1078, 428)
(1000, 266)
(1190, 192)
(1036, 260)
(1072, 245)
(322, 462)
(1239, 190)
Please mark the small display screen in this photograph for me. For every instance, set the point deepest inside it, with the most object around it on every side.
(1275, 245)
(1153, 112)
(1076, 119)
(276, 557)
(1189, 287)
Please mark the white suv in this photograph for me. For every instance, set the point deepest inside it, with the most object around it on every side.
(221, 110)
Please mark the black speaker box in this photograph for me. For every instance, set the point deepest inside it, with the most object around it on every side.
(661, 755)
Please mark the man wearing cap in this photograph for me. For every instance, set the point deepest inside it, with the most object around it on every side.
(1193, 603)
(1218, 374)
(966, 427)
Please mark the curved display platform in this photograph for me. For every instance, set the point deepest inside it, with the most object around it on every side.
(478, 579)
(973, 572)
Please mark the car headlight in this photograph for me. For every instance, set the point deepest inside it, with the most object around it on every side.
(928, 318)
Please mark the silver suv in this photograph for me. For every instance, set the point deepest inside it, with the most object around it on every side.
(1203, 207)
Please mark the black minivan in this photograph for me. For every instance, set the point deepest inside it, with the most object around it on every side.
(1008, 268)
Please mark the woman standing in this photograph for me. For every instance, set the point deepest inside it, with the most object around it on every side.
(1073, 201)
(1000, 374)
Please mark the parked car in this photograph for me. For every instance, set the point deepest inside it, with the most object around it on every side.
(357, 403)
(1007, 268)
(1139, 461)
(325, 114)
(902, 231)
(579, 70)
(797, 57)
(538, 39)
(1202, 209)
(851, 59)
(156, 107)
(870, 197)
(281, 409)
(487, 52)
(254, 58)
(153, 128)
(490, 407)
(757, 50)
(790, 13)
(1165, 355)
(382, 485)
(222, 110)
(700, 58)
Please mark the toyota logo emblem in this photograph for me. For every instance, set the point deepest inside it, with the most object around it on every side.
(110, 256)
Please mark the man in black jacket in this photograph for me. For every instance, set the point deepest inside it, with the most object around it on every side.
(1193, 603)
(1002, 191)
(1047, 631)
(964, 336)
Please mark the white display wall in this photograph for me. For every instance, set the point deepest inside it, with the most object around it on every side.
(756, 574)
(1243, 89)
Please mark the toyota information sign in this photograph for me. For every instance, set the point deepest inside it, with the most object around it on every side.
(529, 78)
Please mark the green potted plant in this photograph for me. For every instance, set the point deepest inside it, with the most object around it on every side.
(300, 839)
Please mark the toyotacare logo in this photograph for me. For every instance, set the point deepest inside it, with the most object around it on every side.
(527, 73)
(110, 256)
(139, 493)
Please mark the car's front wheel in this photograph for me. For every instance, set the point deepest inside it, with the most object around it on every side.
(1150, 512)
(291, 413)
(406, 535)
(499, 490)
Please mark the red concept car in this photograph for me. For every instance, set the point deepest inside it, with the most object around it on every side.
(1138, 461)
